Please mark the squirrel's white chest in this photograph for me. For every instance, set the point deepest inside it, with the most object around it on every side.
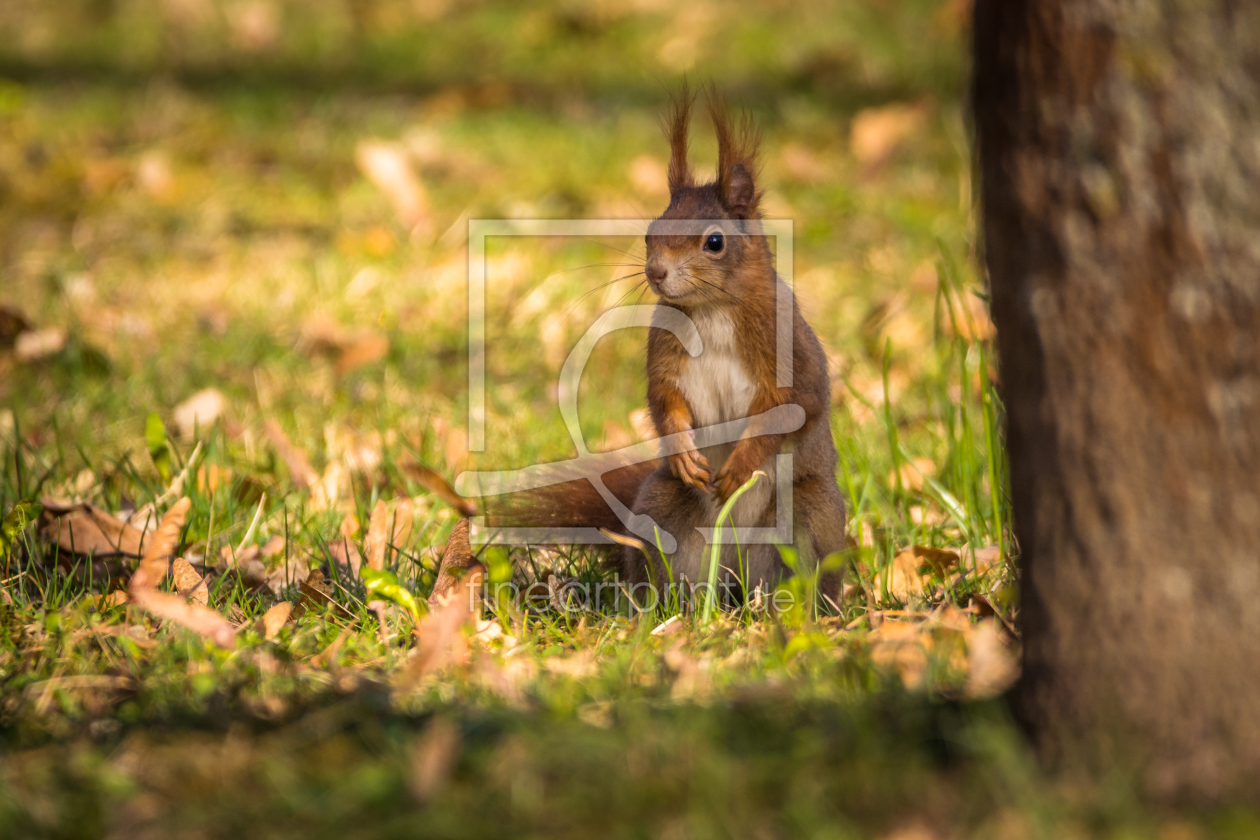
(715, 384)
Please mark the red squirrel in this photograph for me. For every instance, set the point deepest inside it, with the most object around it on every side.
(719, 272)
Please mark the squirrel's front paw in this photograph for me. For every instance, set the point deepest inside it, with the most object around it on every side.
(691, 467)
(731, 477)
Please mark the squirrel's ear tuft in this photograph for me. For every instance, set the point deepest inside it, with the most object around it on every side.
(676, 126)
(740, 195)
(738, 141)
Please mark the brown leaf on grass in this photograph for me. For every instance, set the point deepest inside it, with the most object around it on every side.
(457, 560)
(112, 599)
(433, 756)
(440, 487)
(202, 620)
(86, 530)
(199, 411)
(300, 469)
(387, 166)
(188, 583)
(878, 132)
(157, 554)
(347, 557)
(151, 571)
(969, 321)
(439, 638)
(291, 571)
(901, 646)
(404, 522)
(912, 473)
(328, 490)
(910, 568)
(210, 477)
(986, 558)
(377, 542)
(361, 350)
(456, 450)
(268, 626)
(35, 345)
(985, 607)
(316, 596)
(992, 666)
(321, 335)
(257, 567)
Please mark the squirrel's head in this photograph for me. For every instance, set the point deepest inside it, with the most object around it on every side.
(709, 240)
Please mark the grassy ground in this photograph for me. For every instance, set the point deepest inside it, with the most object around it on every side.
(188, 204)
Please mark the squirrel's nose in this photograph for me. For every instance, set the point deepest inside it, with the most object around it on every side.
(656, 273)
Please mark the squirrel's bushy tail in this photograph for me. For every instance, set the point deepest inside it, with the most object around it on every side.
(573, 504)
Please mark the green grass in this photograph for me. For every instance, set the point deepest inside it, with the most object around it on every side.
(184, 202)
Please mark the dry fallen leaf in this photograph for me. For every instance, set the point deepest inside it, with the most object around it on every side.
(199, 619)
(668, 627)
(188, 583)
(440, 487)
(87, 530)
(440, 641)
(210, 477)
(151, 571)
(386, 165)
(910, 569)
(970, 321)
(912, 473)
(112, 599)
(457, 559)
(273, 619)
(877, 132)
(578, 666)
(300, 469)
(404, 522)
(153, 173)
(986, 558)
(34, 345)
(316, 595)
(347, 557)
(199, 411)
(361, 350)
(157, 554)
(376, 541)
(901, 646)
(992, 666)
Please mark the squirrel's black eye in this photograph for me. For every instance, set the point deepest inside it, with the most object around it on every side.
(714, 242)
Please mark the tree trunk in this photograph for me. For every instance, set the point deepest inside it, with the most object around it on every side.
(1119, 151)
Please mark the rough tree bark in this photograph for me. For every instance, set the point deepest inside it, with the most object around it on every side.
(1119, 149)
